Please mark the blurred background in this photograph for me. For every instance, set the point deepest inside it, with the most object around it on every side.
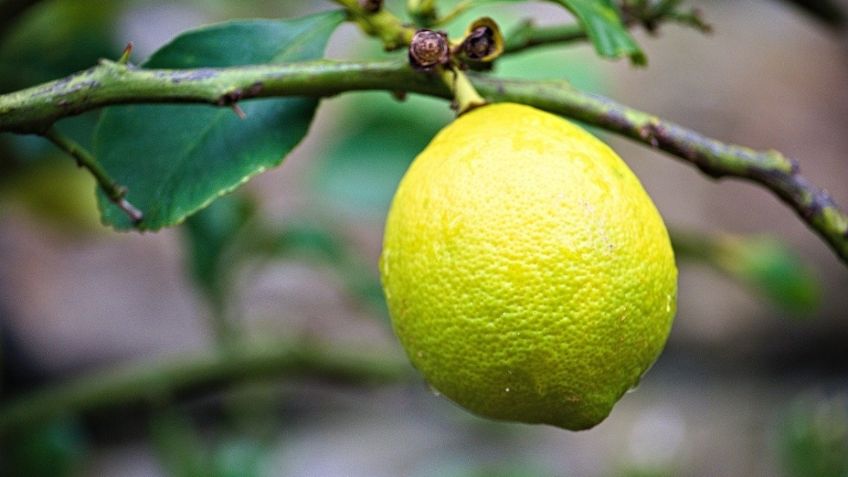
(754, 380)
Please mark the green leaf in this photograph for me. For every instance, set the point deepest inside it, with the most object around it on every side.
(176, 159)
(603, 24)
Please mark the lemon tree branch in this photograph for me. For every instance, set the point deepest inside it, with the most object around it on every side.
(158, 381)
(34, 110)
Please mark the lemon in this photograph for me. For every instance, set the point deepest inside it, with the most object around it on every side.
(528, 275)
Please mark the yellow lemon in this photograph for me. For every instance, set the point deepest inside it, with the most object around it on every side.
(528, 275)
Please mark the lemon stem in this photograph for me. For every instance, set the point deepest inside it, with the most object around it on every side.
(465, 95)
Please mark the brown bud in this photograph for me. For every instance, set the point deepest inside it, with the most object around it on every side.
(428, 49)
(371, 6)
(483, 42)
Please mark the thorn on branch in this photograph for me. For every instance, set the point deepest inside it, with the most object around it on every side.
(125, 56)
(134, 214)
(239, 112)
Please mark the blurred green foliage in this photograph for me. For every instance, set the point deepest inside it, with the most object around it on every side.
(762, 263)
(184, 452)
(53, 449)
(813, 439)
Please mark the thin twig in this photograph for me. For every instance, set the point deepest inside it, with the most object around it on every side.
(35, 109)
(165, 379)
(114, 191)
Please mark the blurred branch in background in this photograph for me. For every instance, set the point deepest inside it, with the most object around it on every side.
(164, 380)
(763, 264)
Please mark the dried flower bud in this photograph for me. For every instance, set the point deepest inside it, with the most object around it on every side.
(483, 42)
(429, 49)
(371, 6)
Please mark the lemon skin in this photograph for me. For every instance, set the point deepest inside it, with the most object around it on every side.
(528, 275)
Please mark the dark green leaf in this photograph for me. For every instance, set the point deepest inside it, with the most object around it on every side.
(175, 160)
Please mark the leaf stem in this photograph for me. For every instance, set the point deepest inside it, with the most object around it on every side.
(114, 191)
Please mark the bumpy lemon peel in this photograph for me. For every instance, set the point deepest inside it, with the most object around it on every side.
(528, 274)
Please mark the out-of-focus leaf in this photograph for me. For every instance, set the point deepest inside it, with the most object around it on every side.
(602, 22)
(465, 467)
(828, 12)
(762, 263)
(178, 447)
(53, 449)
(175, 160)
(239, 457)
(55, 39)
(318, 242)
(209, 235)
(772, 268)
(814, 437)
(359, 176)
(184, 453)
(56, 192)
